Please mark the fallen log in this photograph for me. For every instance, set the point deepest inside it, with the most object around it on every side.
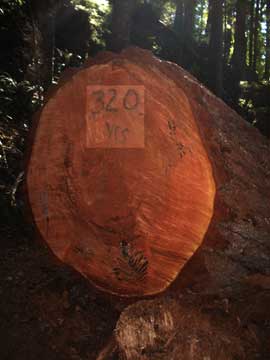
(119, 182)
(138, 173)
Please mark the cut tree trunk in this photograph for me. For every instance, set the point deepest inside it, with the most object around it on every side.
(119, 181)
(140, 178)
(135, 166)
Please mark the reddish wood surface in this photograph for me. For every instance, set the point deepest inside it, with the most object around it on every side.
(122, 193)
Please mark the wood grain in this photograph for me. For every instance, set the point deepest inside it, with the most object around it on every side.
(127, 214)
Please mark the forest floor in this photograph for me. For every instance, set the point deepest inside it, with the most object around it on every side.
(47, 311)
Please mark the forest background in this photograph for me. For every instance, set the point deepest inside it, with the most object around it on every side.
(224, 43)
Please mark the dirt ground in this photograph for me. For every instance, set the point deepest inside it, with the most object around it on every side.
(47, 311)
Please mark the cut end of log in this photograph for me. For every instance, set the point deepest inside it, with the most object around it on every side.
(168, 329)
(119, 181)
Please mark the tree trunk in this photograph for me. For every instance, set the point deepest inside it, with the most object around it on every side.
(121, 24)
(180, 199)
(179, 17)
(115, 220)
(256, 34)
(239, 53)
(209, 19)
(189, 20)
(43, 17)
(227, 33)
(267, 48)
(188, 33)
(113, 168)
(216, 48)
(251, 34)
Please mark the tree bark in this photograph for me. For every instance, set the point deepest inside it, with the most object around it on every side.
(256, 34)
(210, 304)
(239, 53)
(227, 33)
(121, 24)
(209, 19)
(179, 17)
(251, 34)
(216, 48)
(167, 328)
(267, 47)
(189, 19)
(43, 17)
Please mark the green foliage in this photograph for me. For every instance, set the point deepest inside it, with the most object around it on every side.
(168, 13)
(99, 12)
(201, 16)
(18, 100)
(159, 6)
(8, 6)
(261, 57)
